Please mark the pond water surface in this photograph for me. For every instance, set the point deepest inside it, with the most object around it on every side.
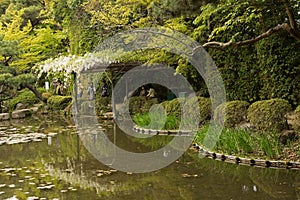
(59, 167)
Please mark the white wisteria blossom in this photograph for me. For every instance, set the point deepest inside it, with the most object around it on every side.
(74, 64)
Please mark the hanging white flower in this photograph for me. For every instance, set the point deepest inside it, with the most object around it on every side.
(74, 64)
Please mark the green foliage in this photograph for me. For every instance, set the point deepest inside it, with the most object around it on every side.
(43, 44)
(135, 105)
(244, 143)
(269, 114)
(297, 110)
(7, 69)
(240, 72)
(46, 95)
(5, 77)
(148, 103)
(102, 104)
(227, 21)
(264, 70)
(26, 97)
(3, 6)
(27, 37)
(91, 19)
(166, 9)
(23, 79)
(280, 68)
(269, 145)
(173, 107)
(235, 142)
(57, 102)
(16, 81)
(32, 31)
(140, 104)
(268, 69)
(171, 122)
(296, 124)
(194, 78)
(8, 49)
(178, 24)
(234, 113)
(205, 112)
(114, 14)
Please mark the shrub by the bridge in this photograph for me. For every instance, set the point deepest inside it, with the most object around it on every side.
(57, 102)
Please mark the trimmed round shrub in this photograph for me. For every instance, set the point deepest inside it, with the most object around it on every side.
(173, 107)
(140, 104)
(148, 104)
(135, 105)
(46, 95)
(205, 111)
(57, 102)
(26, 97)
(269, 114)
(296, 124)
(234, 113)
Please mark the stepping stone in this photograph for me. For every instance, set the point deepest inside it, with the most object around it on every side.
(19, 114)
(4, 116)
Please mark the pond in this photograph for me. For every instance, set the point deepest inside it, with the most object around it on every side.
(59, 167)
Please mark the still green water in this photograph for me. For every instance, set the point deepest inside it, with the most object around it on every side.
(59, 167)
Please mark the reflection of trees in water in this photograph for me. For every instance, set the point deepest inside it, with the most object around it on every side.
(104, 189)
(275, 183)
(272, 182)
(154, 142)
(73, 164)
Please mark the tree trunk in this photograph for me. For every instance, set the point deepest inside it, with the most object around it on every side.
(37, 93)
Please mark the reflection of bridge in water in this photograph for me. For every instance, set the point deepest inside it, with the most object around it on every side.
(68, 160)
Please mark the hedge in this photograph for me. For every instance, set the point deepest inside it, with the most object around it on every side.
(296, 124)
(234, 112)
(26, 97)
(205, 112)
(269, 114)
(140, 104)
(102, 104)
(57, 102)
(173, 107)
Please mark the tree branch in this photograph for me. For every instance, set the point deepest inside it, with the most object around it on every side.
(293, 29)
(250, 41)
(7, 59)
(34, 90)
(290, 14)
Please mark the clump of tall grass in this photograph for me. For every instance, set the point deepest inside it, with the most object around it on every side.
(244, 143)
(231, 141)
(156, 121)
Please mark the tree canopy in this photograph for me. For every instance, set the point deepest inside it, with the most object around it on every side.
(255, 43)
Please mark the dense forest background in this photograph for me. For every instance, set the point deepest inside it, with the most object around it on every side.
(254, 43)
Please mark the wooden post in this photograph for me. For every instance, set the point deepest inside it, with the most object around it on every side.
(75, 93)
(113, 103)
(126, 88)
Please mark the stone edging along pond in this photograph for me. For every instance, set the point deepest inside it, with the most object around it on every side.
(223, 157)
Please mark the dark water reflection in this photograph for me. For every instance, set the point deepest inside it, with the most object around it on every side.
(60, 167)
